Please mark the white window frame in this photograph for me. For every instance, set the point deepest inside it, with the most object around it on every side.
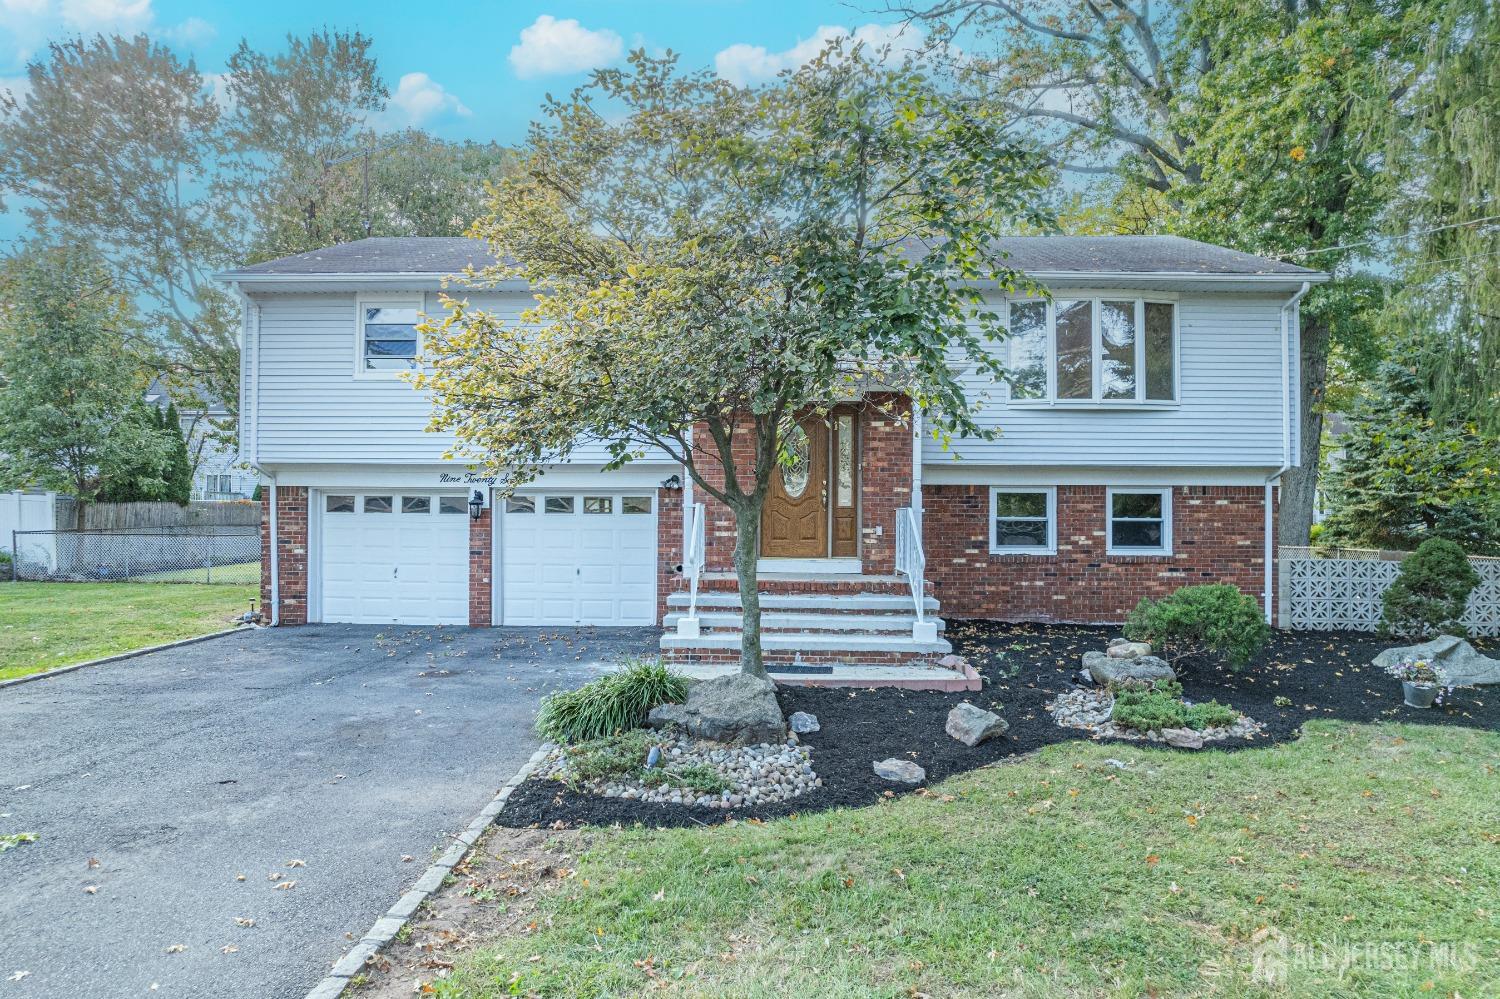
(1051, 547)
(1165, 492)
(1096, 400)
(363, 302)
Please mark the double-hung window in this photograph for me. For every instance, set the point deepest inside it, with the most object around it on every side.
(1139, 521)
(1023, 521)
(1092, 351)
(387, 335)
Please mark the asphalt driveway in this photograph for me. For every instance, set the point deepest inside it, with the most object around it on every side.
(155, 783)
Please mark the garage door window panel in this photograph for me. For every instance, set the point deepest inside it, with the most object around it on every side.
(339, 504)
(559, 504)
(416, 504)
(635, 505)
(452, 505)
(598, 504)
(520, 504)
(378, 504)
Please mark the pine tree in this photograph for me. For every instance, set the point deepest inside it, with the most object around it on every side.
(179, 472)
(1407, 475)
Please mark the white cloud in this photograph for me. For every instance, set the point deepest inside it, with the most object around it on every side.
(99, 15)
(17, 87)
(421, 97)
(550, 47)
(746, 64)
(193, 31)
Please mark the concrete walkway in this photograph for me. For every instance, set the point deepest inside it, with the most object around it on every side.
(158, 781)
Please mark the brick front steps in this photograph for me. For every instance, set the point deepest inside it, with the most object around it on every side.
(920, 675)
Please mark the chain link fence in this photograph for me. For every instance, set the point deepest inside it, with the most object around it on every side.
(210, 554)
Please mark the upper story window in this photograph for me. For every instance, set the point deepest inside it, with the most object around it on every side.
(1093, 350)
(388, 335)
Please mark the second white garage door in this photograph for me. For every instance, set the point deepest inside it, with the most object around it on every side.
(579, 558)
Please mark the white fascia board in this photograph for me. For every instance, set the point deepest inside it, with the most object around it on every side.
(1092, 475)
(337, 282)
(437, 476)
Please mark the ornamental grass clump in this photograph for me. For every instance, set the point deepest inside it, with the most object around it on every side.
(611, 704)
(1214, 620)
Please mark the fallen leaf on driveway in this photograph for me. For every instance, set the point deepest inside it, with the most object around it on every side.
(93, 862)
(239, 877)
(296, 863)
(176, 948)
(286, 885)
(17, 976)
(228, 949)
(91, 889)
(406, 858)
(243, 921)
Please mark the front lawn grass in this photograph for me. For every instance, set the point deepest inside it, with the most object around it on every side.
(46, 625)
(1361, 860)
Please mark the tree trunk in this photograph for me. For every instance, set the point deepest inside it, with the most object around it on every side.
(746, 552)
(1299, 486)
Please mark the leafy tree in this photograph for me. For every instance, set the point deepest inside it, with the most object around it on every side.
(1407, 475)
(1430, 593)
(120, 143)
(71, 416)
(719, 259)
(1252, 120)
(1442, 147)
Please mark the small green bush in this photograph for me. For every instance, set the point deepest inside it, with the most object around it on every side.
(694, 776)
(609, 757)
(1429, 595)
(611, 704)
(1215, 619)
(1152, 709)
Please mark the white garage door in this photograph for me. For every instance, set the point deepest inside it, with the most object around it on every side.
(395, 557)
(579, 558)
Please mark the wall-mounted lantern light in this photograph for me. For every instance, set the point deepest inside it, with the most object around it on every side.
(476, 505)
(673, 481)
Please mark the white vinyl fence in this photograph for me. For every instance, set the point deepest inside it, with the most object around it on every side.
(1330, 589)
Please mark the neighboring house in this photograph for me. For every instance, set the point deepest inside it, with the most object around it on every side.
(1335, 426)
(218, 472)
(1156, 407)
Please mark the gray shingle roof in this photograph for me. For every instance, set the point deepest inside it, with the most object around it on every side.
(1030, 254)
(381, 255)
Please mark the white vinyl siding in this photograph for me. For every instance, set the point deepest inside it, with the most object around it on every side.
(1227, 413)
(312, 405)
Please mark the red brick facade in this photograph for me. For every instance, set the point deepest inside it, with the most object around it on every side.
(884, 468)
(669, 552)
(1217, 537)
(291, 537)
(481, 559)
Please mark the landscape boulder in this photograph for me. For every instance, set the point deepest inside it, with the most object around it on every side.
(803, 723)
(1182, 738)
(1105, 669)
(972, 725)
(1454, 659)
(902, 771)
(739, 710)
(1119, 648)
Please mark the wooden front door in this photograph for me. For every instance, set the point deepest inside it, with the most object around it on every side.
(794, 522)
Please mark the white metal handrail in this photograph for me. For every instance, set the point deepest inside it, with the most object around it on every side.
(911, 560)
(692, 562)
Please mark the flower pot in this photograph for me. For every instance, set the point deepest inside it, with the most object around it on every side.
(1419, 695)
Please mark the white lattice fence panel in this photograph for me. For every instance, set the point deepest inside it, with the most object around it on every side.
(1336, 591)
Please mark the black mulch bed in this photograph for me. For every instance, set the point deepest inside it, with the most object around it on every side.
(1322, 674)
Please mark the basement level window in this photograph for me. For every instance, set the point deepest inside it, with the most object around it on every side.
(1140, 521)
(1023, 520)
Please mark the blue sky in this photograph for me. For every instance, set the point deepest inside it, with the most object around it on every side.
(476, 70)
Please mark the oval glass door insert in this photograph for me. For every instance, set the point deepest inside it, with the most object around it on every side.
(794, 475)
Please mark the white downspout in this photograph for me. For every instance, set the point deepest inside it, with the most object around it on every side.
(1286, 442)
(916, 465)
(249, 432)
(275, 561)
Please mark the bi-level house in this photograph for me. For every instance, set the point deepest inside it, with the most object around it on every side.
(1151, 410)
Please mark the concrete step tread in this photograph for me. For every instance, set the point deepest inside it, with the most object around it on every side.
(783, 621)
(812, 642)
(806, 601)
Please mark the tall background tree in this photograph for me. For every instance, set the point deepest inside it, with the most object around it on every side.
(122, 144)
(717, 260)
(1244, 122)
(71, 415)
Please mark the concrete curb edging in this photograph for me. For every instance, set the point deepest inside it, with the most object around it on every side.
(388, 925)
(59, 671)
